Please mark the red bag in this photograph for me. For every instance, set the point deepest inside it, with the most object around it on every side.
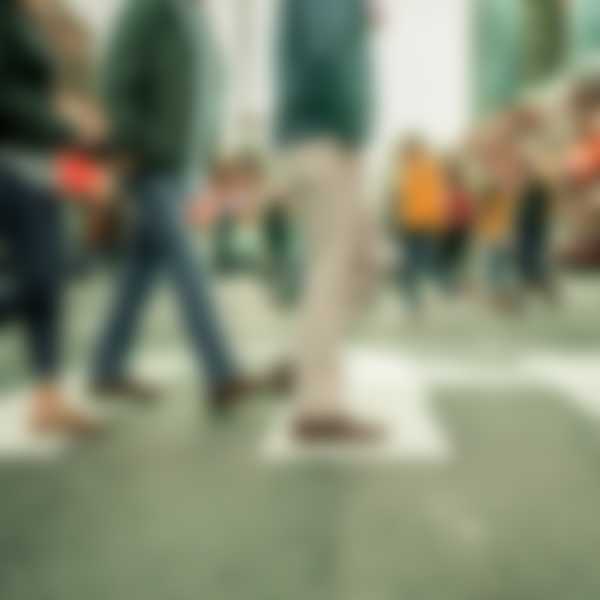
(80, 177)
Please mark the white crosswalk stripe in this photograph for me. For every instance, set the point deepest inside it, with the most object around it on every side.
(384, 386)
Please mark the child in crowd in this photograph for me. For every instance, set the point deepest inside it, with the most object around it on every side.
(419, 209)
(457, 237)
(495, 228)
(533, 229)
(281, 248)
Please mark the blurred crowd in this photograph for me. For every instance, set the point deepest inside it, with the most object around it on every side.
(493, 217)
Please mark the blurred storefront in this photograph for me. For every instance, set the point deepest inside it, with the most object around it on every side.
(544, 39)
(584, 29)
(498, 36)
(519, 43)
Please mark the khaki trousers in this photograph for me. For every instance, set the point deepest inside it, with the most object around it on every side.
(326, 184)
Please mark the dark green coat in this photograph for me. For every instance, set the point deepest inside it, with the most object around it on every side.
(324, 75)
(160, 85)
(28, 120)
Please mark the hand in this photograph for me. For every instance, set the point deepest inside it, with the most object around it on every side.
(92, 127)
(85, 117)
(376, 13)
(106, 190)
(202, 209)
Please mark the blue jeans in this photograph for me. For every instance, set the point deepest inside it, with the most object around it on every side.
(532, 254)
(500, 267)
(159, 246)
(420, 262)
(31, 231)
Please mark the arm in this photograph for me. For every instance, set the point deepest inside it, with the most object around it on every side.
(212, 74)
(376, 13)
(25, 115)
(126, 77)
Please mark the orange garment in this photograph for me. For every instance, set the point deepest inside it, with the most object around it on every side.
(421, 197)
(496, 217)
(583, 161)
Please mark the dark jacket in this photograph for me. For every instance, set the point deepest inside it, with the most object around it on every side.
(157, 84)
(534, 209)
(28, 120)
(324, 70)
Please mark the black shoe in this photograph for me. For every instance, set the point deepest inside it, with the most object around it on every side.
(228, 395)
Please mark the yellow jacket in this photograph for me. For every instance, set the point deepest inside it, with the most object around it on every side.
(496, 217)
(420, 202)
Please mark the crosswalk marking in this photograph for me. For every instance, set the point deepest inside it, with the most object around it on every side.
(386, 386)
(397, 391)
(577, 377)
(382, 388)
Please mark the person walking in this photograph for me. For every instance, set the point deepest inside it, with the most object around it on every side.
(533, 234)
(32, 134)
(161, 95)
(323, 122)
(458, 232)
(420, 207)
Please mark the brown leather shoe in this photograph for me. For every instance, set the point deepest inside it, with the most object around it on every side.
(126, 389)
(341, 429)
(65, 421)
(281, 380)
(229, 394)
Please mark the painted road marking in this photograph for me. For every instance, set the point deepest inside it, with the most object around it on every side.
(397, 391)
(386, 386)
(383, 389)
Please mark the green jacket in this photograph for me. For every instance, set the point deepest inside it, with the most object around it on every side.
(28, 120)
(324, 75)
(160, 84)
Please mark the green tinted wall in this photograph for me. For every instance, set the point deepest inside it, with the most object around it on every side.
(545, 39)
(498, 68)
(585, 28)
(517, 43)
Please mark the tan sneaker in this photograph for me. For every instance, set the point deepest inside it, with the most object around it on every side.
(65, 420)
